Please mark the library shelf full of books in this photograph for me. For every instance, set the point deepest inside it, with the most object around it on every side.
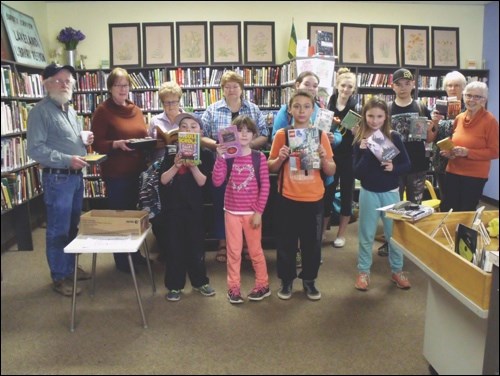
(22, 204)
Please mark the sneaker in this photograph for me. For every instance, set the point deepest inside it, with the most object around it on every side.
(173, 295)
(65, 287)
(383, 250)
(234, 296)
(339, 242)
(401, 280)
(362, 281)
(285, 291)
(298, 259)
(311, 290)
(259, 293)
(205, 290)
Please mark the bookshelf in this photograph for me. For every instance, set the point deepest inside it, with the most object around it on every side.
(21, 206)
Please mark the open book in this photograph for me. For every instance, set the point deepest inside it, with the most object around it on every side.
(169, 137)
(229, 138)
(383, 148)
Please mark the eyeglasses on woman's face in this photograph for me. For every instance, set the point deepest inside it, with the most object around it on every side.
(474, 97)
(171, 103)
(123, 86)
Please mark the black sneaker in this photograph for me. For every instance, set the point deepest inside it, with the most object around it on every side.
(259, 293)
(298, 259)
(383, 250)
(285, 291)
(311, 290)
(234, 296)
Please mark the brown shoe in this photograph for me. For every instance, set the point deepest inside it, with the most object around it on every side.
(401, 280)
(362, 281)
(81, 275)
(65, 287)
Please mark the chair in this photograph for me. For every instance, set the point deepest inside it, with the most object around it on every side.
(434, 202)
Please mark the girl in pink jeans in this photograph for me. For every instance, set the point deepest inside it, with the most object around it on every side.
(245, 199)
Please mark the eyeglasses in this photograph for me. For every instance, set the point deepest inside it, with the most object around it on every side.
(63, 82)
(475, 97)
(171, 103)
(231, 87)
(126, 86)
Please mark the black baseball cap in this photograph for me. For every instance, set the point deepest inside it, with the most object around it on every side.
(186, 115)
(402, 74)
(53, 69)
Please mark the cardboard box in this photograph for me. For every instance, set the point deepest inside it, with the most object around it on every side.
(114, 222)
(468, 279)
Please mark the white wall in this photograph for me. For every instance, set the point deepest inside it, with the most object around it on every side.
(92, 18)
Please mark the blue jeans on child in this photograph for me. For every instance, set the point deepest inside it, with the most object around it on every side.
(63, 197)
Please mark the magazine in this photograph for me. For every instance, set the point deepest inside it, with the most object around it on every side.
(418, 129)
(382, 147)
(189, 147)
(229, 137)
(304, 145)
(351, 120)
(324, 119)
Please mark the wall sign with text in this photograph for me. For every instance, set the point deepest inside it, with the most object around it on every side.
(23, 36)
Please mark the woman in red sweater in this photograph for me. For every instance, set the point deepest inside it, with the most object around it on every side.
(114, 123)
(475, 137)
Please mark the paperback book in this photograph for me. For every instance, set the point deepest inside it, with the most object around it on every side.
(445, 144)
(304, 145)
(418, 129)
(465, 241)
(454, 108)
(324, 120)
(189, 147)
(383, 148)
(351, 120)
(229, 138)
(442, 107)
(324, 43)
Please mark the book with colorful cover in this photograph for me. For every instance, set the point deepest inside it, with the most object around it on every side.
(442, 107)
(189, 147)
(229, 138)
(383, 148)
(304, 144)
(350, 120)
(418, 129)
(465, 241)
(324, 120)
(454, 108)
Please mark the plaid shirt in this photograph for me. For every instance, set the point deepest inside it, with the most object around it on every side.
(218, 115)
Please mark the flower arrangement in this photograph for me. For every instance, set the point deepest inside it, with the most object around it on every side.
(70, 37)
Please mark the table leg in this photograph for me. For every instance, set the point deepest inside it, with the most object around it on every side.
(137, 293)
(94, 262)
(73, 297)
(146, 248)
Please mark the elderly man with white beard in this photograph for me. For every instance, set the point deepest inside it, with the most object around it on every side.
(54, 140)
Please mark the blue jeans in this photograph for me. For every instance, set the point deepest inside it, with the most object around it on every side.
(368, 221)
(63, 197)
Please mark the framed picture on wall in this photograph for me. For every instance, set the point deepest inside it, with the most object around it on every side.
(353, 44)
(415, 46)
(384, 45)
(125, 45)
(259, 42)
(225, 43)
(158, 44)
(312, 29)
(445, 47)
(192, 43)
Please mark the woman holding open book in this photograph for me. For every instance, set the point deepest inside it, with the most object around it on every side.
(170, 96)
(475, 139)
(379, 187)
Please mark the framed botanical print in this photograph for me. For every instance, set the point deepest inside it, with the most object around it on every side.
(445, 47)
(259, 42)
(225, 43)
(158, 44)
(384, 45)
(415, 46)
(353, 44)
(125, 45)
(192, 43)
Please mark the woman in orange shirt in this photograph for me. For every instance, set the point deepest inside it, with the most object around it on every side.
(475, 137)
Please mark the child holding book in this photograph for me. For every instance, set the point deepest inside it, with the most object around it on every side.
(181, 195)
(299, 206)
(244, 203)
(379, 187)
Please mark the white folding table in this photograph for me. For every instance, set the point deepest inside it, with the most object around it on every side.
(109, 244)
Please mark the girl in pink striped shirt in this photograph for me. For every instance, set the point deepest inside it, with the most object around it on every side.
(245, 199)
